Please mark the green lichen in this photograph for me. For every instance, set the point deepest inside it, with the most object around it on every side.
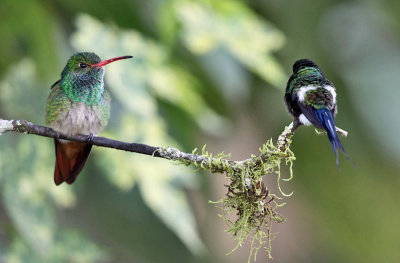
(249, 207)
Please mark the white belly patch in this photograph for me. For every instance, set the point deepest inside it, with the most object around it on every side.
(81, 119)
(303, 90)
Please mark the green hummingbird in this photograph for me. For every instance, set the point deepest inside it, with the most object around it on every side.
(78, 104)
(310, 98)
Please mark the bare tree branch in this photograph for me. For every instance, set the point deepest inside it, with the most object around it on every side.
(23, 126)
(284, 140)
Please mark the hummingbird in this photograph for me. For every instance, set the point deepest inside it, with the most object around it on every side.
(310, 98)
(78, 104)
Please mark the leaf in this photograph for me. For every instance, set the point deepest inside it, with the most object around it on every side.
(19, 87)
(27, 162)
(229, 24)
(24, 198)
(134, 84)
(69, 246)
(169, 201)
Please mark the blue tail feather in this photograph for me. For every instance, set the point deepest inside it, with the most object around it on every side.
(326, 119)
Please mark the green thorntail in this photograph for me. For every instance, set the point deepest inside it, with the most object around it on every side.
(311, 99)
(78, 104)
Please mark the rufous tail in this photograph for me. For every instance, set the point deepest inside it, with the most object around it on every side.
(70, 159)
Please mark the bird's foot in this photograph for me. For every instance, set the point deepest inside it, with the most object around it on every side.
(89, 138)
(296, 124)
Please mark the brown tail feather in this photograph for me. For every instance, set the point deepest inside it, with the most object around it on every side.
(70, 159)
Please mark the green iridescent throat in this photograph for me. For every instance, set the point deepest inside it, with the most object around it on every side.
(84, 88)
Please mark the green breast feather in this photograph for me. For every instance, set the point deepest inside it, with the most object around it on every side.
(58, 104)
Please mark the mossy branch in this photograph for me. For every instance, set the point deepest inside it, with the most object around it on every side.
(283, 142)
(249, 207)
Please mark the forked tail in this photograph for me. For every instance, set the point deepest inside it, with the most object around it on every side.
(326, 119)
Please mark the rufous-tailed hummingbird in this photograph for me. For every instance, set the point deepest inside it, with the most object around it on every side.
(311, 99)
(78, 104)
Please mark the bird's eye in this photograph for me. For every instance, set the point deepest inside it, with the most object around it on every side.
(82, 65)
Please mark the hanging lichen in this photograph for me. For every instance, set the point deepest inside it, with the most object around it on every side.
(249, 207)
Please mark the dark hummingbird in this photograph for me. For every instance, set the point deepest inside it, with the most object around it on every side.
(310, 98)
(78, 104)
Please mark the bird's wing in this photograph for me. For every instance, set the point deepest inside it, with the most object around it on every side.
(291, 104)
(57, 104)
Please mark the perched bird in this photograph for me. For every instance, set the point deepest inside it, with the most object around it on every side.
(311, 99)
(78, 104)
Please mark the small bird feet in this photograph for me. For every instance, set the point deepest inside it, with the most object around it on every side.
(296, 124)
(89, 138)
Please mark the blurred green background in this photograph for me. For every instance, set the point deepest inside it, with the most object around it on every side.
(204, 72)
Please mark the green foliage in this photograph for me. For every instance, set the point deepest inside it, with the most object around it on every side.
(209, 25)
(69, 246)
(168, 68)
(221, 61)
(21, 39)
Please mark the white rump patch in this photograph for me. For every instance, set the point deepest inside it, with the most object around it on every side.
(303, 90)
(304, 120)
(333, 92)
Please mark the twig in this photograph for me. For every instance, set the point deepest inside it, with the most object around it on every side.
(341, 131)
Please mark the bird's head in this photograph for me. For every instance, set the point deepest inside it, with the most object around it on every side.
(86, 65)
(304, 63)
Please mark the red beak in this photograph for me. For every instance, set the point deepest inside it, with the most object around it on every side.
(108, 61)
